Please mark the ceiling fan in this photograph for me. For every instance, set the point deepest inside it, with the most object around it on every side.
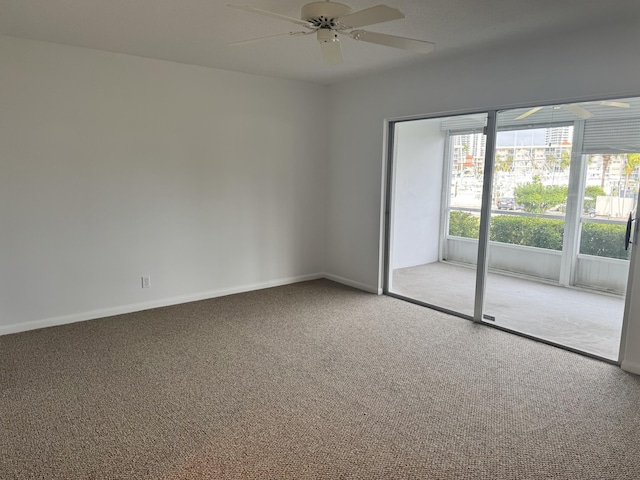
(329, 19)
(578, 110)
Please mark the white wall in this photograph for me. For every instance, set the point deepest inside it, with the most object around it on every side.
(415, 234)
(114, 166)
(592, 62)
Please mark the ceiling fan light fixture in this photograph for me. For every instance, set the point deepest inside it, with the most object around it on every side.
(325, 35)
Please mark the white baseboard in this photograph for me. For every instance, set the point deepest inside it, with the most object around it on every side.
(137, 307)
(631, 367)
(351, 283)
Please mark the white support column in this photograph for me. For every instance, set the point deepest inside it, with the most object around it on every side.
(575, 202)
(446, 195)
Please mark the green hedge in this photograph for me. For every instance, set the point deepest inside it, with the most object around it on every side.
(463, 224)
(529, 231)
(603, 240)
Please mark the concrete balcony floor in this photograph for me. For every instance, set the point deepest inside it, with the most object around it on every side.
(584, 320)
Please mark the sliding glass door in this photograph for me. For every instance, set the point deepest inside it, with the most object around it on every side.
(436, 189)
(564, 183)
(521, 226)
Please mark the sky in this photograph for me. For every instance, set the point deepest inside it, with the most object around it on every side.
(535, 136)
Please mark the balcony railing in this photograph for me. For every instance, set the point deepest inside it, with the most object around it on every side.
(601, 264)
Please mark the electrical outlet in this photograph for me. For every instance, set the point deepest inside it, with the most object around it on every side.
(146, 281)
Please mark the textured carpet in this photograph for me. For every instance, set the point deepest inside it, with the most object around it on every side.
(309, 381)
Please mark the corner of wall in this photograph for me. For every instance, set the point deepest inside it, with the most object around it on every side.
(354, 284)
(631, 367)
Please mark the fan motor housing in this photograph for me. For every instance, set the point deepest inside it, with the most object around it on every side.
(322, 14)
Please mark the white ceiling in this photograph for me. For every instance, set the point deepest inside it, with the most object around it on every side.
(197, 31)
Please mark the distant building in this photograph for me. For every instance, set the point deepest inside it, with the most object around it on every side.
(468, 152)
(558, 135)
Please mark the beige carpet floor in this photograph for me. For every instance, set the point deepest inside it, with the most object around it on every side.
(308, 381)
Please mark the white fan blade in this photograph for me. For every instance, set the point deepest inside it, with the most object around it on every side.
(259, 39)
(614, 104)
(578, 111)
(331, 52)
(418, 46)
(529, 112)
(370, 16)
(271, 14)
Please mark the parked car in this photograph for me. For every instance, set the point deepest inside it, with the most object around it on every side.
(507, 203)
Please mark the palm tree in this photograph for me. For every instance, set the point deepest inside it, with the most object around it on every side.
(503, 165)
(606, 159)
(633, 161)
(565, 159)
(552, 161)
